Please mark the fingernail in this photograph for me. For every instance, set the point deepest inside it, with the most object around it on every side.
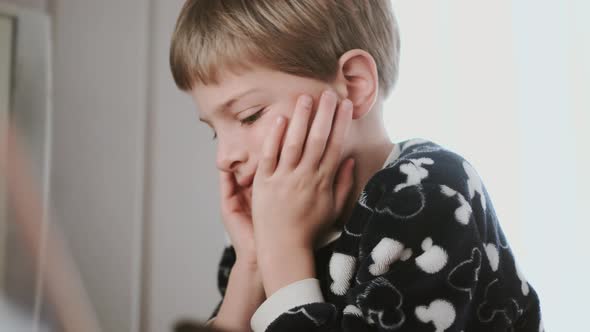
(330, 94)
(347, 104)
(305, 101)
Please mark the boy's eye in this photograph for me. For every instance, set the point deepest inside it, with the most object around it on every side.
(248, 121)
(252, 118)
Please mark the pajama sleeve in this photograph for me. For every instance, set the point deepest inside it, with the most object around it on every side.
(429, 256)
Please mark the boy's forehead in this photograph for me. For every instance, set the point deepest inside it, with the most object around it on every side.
(232, 87)
(221, 103)
(251, 75)
(231, 83)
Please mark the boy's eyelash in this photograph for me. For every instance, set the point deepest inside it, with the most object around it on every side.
(252, 118)
(247, 121)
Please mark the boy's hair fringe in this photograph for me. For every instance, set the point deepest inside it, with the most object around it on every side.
(299, 37)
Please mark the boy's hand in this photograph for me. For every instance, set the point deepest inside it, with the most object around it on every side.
(245, 291)
(302, 194)
(237, 218)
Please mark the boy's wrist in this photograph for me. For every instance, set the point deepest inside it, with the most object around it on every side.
(247, 272)
(280, 268)
(243, 296)
(248, 263)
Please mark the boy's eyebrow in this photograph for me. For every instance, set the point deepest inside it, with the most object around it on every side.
(226, 105)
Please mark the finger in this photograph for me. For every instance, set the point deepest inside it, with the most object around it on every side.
(333, 153)
(296, 133)
(230, 198)
(320, 130)
(270, 149)
(343, 184)
(226, 184)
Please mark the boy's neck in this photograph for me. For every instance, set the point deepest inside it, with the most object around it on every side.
(369, 157)
(368, 162)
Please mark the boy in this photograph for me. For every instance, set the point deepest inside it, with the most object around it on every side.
(333, 227)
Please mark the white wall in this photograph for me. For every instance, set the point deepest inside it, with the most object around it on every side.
(31, 4)
(100, 72)
(125, 139)
(186, 235)
(115, 100)
(6, 41)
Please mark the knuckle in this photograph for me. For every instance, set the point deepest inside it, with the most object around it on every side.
(335, 144)
(324, 183)
(266, 158)
(291, 148)
(316, 138)
(322, 176)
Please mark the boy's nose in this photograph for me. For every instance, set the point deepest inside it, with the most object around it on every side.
(227, 164)
(229, 159)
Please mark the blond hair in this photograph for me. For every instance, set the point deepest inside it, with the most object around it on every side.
(299, 37)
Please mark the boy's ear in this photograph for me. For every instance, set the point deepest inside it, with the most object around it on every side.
(358, 75)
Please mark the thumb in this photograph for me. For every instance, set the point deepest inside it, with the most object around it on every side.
(344, 182)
